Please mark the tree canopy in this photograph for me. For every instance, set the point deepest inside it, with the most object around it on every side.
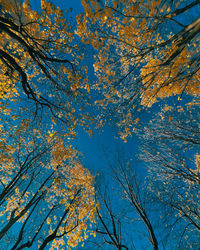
(131, 65)
(46, 195)
(40, 59)
(146, 51)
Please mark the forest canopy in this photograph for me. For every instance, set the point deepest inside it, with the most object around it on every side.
(132, 66)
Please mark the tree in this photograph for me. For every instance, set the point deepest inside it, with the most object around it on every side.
(172, 140)
(40, 59)
(155, 211)
(127, 215)
(109, 227)
(171, 149)
(47, 197)
(147, 51)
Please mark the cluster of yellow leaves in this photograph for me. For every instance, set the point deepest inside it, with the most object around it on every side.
(72, 178)
(126, 126)
(32, 39)
(197, 163)
(165, 81)
(7, 88)
(60, 153)
(132, 53)
(6, 153)
(71, 187)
